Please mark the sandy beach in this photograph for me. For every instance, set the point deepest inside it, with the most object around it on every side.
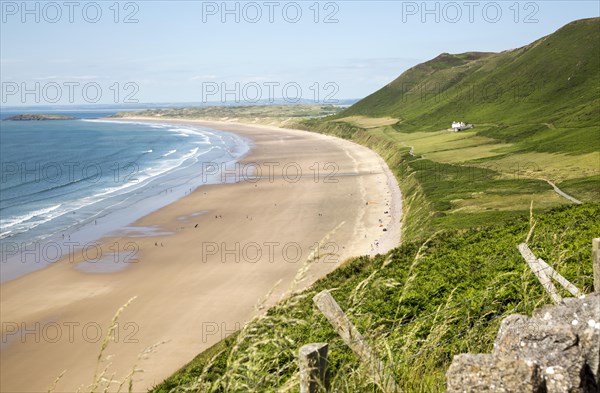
(209, 259)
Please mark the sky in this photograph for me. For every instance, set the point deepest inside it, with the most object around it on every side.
(105, 52)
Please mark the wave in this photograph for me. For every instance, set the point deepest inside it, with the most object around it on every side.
(26, 222)
(182, 129)
(11, 222)
(45, 190)
(187, 132)
(115, 121)
(150, 173)
(103, 197)
(169, 165)
(44, 216)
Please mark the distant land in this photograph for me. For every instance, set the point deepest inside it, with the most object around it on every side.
(277, 102)
(38, 117)
(275, 115)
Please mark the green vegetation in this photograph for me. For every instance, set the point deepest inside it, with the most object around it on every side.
(536, 112)
(442, 191)
(278, 115)
(467, 204)
(38, 116)
(547, 90)
(418, 306)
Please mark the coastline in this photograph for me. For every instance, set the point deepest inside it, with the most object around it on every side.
(185, 287)
(63, 213)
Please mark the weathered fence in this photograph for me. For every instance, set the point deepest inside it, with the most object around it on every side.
(314, 372)
(596, 263)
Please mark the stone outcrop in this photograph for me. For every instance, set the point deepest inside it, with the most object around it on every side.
(556, 350)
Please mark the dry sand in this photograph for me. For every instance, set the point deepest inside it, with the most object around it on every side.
(198, 284)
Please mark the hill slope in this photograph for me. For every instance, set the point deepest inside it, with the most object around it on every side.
(555, 80)
(446, 288)
(536, 112)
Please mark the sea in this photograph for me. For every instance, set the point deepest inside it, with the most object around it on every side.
(66, 183)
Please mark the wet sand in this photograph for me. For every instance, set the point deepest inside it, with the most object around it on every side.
(199, 266)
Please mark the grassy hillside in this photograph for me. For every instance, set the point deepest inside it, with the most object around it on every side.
(418, 306)
(467, 204)
(555, 80)
(536, 112)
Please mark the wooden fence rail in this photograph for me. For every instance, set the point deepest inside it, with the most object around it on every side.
(545, 273)
(352, 337)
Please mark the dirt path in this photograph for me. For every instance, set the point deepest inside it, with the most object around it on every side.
(562, 193)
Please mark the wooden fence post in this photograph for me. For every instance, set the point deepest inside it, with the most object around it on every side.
(352, 337)
(314, 371)
(596, 263)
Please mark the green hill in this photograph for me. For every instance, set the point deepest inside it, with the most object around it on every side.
(466, 201)
(555, 80)
(536, 112)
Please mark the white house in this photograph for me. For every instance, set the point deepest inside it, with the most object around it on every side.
(459, 126)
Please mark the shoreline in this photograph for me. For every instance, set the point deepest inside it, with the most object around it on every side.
(200, 270)
(388, 240)
(118, 202)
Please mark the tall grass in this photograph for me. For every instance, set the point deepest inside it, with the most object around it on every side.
(417, 306)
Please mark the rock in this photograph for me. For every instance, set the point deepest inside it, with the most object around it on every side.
(549, 344)
(582, 315)
(557, 350)
(485, 373)
(557, 380)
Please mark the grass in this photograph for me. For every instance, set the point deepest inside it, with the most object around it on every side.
(586, 188)
(532, 96)
(368, 122)
(418, 306)
(446, 187)
(535, 106)
(467, 199)
(459, 180)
